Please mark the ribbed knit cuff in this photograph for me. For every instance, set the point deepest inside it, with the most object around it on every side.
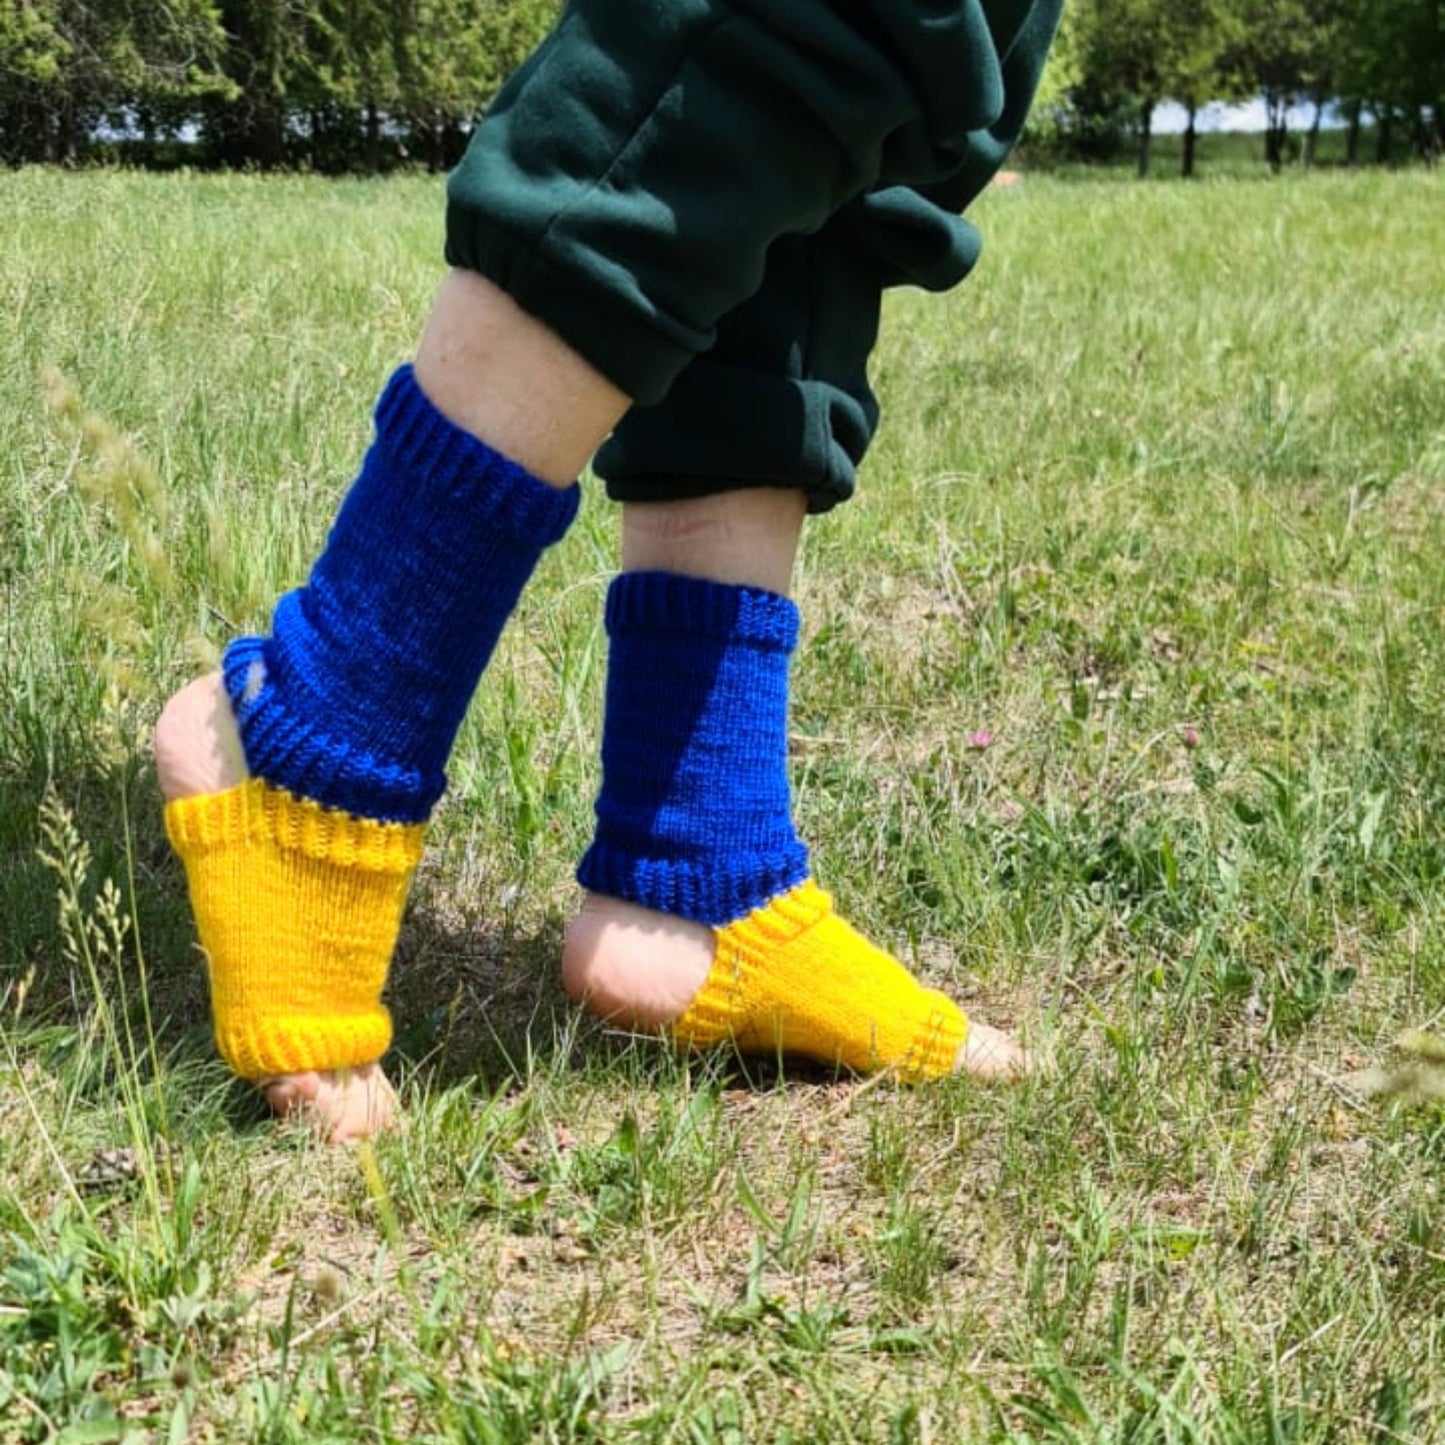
(714, 893)
(463, 471)
(298, 753)
(253, 812)
(666, 602)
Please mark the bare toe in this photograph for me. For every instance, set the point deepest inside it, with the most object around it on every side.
(991, 1054)
(342, 1105)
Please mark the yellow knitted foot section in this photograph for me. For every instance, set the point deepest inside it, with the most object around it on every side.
(298, 908)
(793, 978)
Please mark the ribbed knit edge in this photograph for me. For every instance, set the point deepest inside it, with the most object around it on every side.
(260, 1048)
(256, 810)
(417, 437)
(743, 956)
(704, 893)
(935, 1052)
(643, 602)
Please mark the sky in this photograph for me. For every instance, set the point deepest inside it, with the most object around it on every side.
(1169, 118)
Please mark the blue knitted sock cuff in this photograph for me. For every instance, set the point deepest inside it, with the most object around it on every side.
(461, 470)
(663, 604)
(694, 817)
(356, 696)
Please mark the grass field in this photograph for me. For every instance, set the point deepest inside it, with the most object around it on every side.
(1159, 506)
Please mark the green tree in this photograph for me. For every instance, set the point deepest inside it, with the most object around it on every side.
(1123, 55)
(264, 41)
(1061, 71)
(1389, 59)
(347, 79)
(1284, 55)
(326, 81)
(452, 58)
(1198, 61)
(32, 53)
(69, 64)
(30, 45)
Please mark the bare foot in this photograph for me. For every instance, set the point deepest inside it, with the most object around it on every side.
(342, 1105)
(633, 967)
(639, 969)
(197, 747)
(198, 750)
(992, 1055)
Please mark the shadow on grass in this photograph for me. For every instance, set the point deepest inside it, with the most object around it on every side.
(474, 998)
(475, 993)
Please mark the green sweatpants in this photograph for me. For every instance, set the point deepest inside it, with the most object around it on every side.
(707, 198)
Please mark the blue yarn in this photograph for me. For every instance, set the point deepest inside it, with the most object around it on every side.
(694, 817)
(355, 698)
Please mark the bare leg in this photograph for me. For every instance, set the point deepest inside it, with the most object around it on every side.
(640, 968)
(492, 369)
(495, 371)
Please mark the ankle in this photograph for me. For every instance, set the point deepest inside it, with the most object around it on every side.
(743, 538)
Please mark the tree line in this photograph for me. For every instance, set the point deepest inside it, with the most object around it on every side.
(1376, 60)
(363, 85)
(337, 85)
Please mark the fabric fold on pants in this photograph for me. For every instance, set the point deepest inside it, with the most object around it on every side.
(653, 181)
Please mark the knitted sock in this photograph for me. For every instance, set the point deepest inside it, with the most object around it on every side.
(694, 820)
(347, 712)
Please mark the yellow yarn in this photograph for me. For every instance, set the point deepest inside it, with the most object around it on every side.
(298, 908)
(793, 978)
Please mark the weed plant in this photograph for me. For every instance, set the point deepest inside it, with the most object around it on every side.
(1118, 713)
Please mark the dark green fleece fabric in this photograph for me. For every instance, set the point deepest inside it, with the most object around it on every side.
(707, 198)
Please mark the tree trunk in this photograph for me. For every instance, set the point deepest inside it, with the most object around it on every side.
(262, 140)
(146, 123)
(1426, 134)
(1312, 139)
(1352, 138)
(1186, 167)
(1146, 123)
(67, 137)
(249, 134)
(1382, 136)
(454, 145)
(373, 138)
(1275, 131)
(268, 137)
